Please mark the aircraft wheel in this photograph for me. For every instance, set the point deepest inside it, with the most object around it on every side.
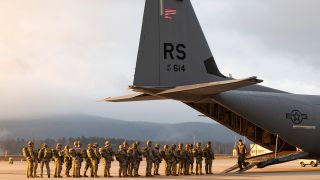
(313, 164)
(302, 164)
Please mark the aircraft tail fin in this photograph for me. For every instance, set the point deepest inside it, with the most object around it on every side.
(173, 50)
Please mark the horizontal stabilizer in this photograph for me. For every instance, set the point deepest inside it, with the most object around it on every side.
(212, 87)
(132, 97)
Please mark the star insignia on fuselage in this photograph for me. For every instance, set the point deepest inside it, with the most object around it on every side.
(296, 116)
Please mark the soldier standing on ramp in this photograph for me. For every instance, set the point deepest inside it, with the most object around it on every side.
(44, 156)
(58, 160)
(242, 150)
(28, 153)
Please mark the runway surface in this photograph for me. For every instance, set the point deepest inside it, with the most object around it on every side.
(291, 170)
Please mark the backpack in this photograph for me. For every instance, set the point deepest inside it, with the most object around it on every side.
(25, 152)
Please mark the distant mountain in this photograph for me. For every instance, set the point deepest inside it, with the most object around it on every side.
(91, 126)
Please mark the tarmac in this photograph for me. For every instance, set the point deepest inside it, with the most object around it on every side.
(290, 170)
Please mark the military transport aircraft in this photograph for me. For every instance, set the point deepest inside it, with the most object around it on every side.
(175, 62)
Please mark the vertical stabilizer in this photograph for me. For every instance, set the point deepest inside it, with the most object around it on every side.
(173, 50)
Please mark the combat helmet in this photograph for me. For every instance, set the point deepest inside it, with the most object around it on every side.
(30, 143)
(79, 144)
(148, 143)
(199, 144)
(156, 146)
(107, 143)
(75, 144)
(95, 145)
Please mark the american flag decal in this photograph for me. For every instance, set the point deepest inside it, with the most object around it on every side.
(169, 12)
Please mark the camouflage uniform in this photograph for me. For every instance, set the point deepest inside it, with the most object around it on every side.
(182, 159)
(44, 156)
(188, 160)
(125, 147)
(136, 156)
(130, 161)
(58, 155)
(28, 153)
(94, 159)
(241, 150)
(67, 161)
(36, 161)
(191, 158)
(76, 156)
(148, 154)
(167, 156)
(198, 153)
(121, 156)
(107, 155)
(174, 161)
(87, 162)
(139, 152)
(209, 157)
(157, 159)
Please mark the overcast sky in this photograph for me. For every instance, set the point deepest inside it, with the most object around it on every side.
(60, 56)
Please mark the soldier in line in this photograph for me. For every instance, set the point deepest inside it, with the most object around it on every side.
(121, 156)
(67, 161)
(242, 150)
(148, 154)
(28, 153)
(198, 153)
(87, 161)
(98, 157)
(130, 161)
(174, 161)
(157, 159)
(140, 156)
(81, 153)
(209, 157)
(75, 155)
(125, 147)
(189, 159)
(167, 156)
(44, 156)
(136, 156)
(107, 155)
(182, 159)
(93, 159)
(36, 161)
(58, 160)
